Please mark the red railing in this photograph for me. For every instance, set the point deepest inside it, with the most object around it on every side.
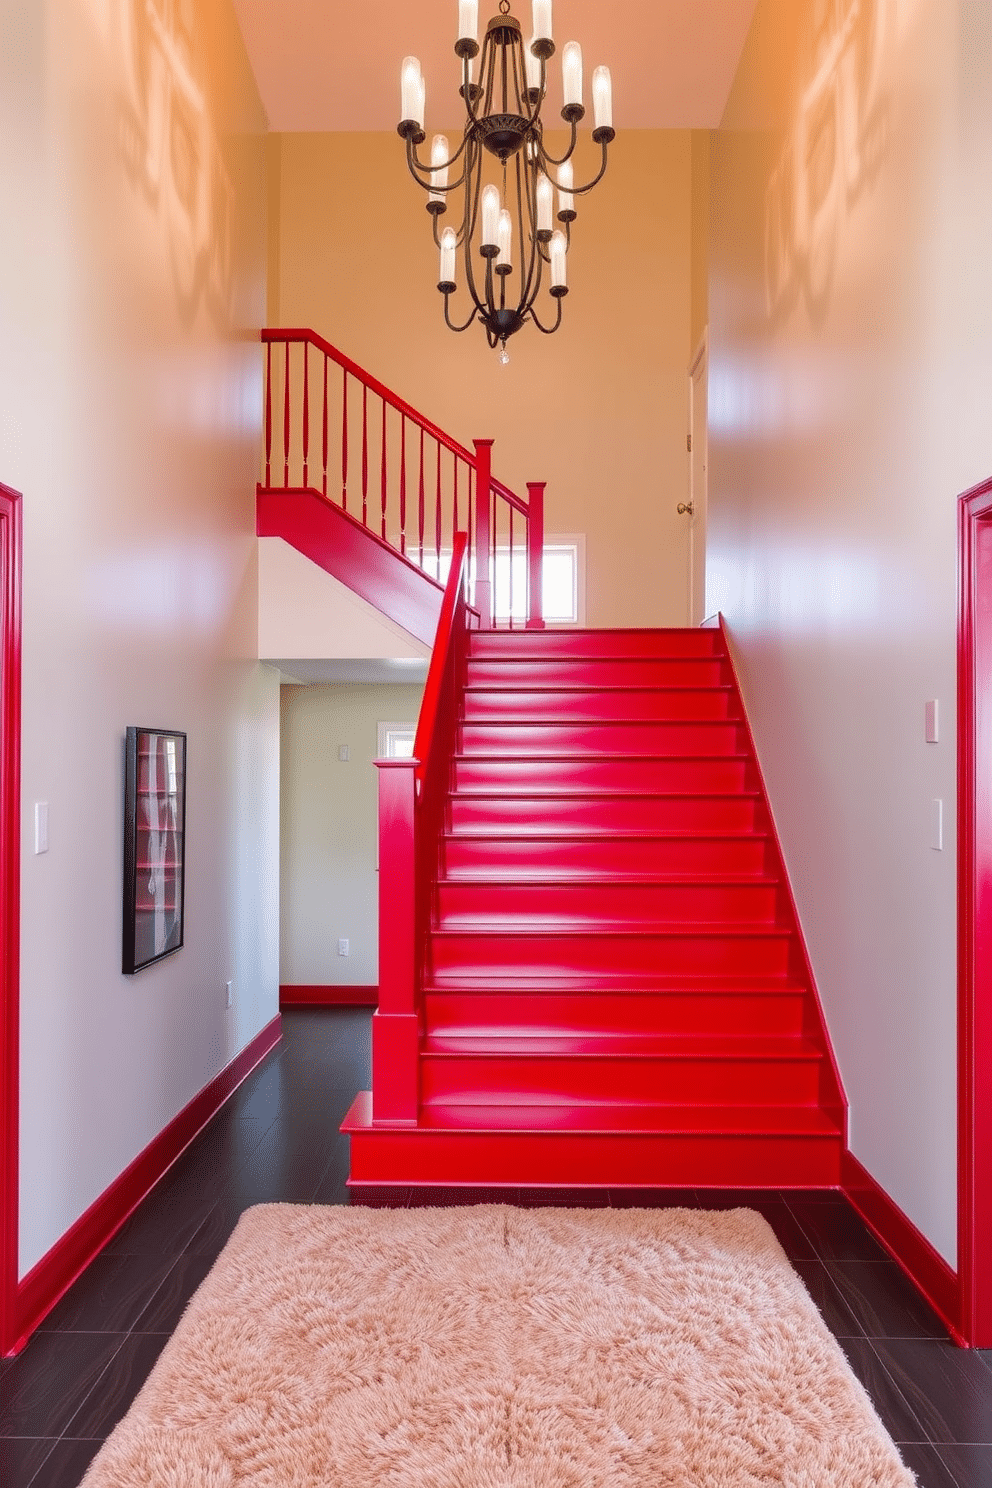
(411, 819)
(332, 428)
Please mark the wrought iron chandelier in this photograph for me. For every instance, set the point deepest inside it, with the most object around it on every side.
(504, 141)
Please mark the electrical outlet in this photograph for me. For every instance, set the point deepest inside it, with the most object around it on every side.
(344, 949)
(229, 1002)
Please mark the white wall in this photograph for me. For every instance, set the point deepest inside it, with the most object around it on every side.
(329, 882)
(851, 359)
(305, 612)
(132, 283)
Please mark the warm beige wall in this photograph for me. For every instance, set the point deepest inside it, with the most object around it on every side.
(599, 410)
(329, 816)
(850, 368)
(700, 270)
(132, 279)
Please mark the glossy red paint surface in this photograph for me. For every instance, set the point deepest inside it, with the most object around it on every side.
(928, 1271)
(51, 1278)
(399, 477)
(975, 915)
(611, 982)
(10, 900)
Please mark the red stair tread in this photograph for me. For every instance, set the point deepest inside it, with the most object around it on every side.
(502, 925)
(579, 1044)
(573, 876)
(650, 983)
(630, 1120)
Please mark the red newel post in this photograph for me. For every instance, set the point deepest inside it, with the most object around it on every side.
(395, 1026)
(535, 556)
(483, 487)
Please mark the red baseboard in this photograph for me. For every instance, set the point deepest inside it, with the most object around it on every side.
(926, 1269)
(50, 1279)
(297, 996)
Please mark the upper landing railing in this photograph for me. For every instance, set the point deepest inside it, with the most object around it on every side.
(331, 428)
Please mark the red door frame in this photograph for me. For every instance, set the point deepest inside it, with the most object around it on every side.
(10, 900)
(975, 914)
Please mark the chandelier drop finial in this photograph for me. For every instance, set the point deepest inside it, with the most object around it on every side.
(504, 179)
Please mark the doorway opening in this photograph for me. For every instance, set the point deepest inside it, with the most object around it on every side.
(975, 914)
(10, 901)
(698, 375)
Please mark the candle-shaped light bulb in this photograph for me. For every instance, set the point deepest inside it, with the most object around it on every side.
(566, 180)
(412, 89)
(545, 203)
(602, 98)
(490, 217)
(439, 167)
(449, 245)
(558, 250)
(533, 66)
(542, 20)
(504, 232)
(468, 20)
(571, 72)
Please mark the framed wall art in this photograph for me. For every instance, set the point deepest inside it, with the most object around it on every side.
(154, 845)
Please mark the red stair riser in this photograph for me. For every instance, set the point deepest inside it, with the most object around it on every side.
(626, 672)
(540, 815)
(632, 903)
(609, 956)
(544, 1080)
(492, 857)
(717, 737)
(483, 704)
(565, 1159)
(639, 775)
(610, 643)
(691, 1012)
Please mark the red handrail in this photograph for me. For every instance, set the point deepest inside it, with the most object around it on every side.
(442, 657)
(404, 486)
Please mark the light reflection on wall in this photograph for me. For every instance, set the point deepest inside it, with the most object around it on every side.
(832, 153)
(170, 145)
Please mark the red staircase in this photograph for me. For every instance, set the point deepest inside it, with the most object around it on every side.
(604, 982)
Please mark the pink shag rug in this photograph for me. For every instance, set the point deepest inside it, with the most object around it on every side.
(494, 1347)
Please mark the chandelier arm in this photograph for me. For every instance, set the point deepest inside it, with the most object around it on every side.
(415, 163)
(547, 330)
(471, 219)
(581, 190)
(449, 322)
(552, 159)
(526, 280)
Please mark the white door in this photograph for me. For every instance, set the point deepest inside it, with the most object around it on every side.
(696, 515)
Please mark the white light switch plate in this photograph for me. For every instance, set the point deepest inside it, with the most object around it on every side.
(41, 826)
(343, 753)
(932, 721)
(937, 825)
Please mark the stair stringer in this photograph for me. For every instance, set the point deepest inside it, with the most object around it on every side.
(347, 550)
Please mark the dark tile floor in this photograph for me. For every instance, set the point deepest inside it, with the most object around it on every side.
(277, 1139)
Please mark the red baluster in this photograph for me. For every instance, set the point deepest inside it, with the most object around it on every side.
(324, 447)
(344, 442)
(483, 532)
(268, 414)
(306, 414)
(403, 484)
(384, 467)
(285, 424)
(365, 456)
(420, 515)
(511, 568)
(535, 555)
(437, 514)
(454, 514)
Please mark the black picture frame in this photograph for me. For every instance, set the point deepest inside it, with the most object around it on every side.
(154, 846)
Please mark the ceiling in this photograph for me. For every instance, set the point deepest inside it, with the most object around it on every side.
(323, 65)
